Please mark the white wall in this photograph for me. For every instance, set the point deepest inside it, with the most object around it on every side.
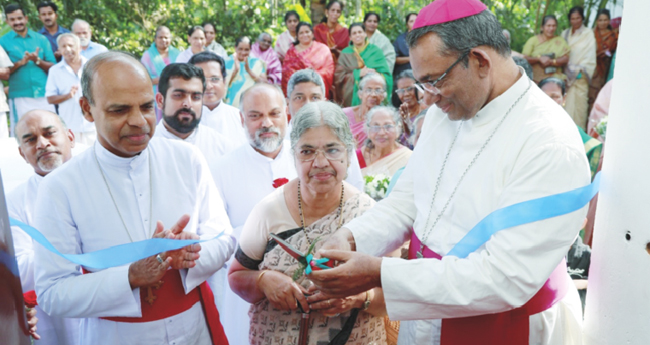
(618, 296)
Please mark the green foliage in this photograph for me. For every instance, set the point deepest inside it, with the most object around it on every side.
(130, 25)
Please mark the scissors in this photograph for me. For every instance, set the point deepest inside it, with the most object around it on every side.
(306, 260)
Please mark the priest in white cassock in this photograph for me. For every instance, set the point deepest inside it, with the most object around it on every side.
(250, 173)
(180, 96)
(126, 188)
(218, 115)
(493, 140)
(45, 143)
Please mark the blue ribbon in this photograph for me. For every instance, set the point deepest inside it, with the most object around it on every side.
(113, 256)
(316, 262)
(524, 213)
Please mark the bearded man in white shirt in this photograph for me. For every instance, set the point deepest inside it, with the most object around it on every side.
(45, 143)
(129, 188)
(180, 96)
(493, 140)
(218, 115)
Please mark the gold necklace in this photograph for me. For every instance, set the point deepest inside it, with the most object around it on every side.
(302, 219)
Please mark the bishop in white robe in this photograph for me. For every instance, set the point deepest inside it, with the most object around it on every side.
(517, 146)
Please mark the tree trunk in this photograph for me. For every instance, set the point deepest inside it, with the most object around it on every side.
(317, 11)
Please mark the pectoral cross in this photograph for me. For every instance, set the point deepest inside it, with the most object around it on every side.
(150, 296)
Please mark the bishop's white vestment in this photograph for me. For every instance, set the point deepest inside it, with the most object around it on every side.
(536, 152)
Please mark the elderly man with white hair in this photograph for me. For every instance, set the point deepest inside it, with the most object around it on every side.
(63, 88)
(82, 29)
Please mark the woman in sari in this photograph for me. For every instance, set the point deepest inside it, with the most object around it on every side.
(244, 71)
(286, 39)
(606, 42)
(305, 212)
(381, 153)
(409, 94)
(546, 52)
(376, 37)
(372, 91)
(556, 89)
(159, 55)
(196, 38)
(330, 32)
(582, 63)
(262, 50)
(356, 61)
(307, 53)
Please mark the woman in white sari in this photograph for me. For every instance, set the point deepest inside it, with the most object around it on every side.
(381, 153)
(582, 63)
(371, 21)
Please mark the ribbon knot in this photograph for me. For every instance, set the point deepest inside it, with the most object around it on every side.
(316, 263)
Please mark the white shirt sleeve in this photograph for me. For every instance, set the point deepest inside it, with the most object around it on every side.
(213, 220)
(51, 88)
(387, 225)
(61, 288)
(510, 270)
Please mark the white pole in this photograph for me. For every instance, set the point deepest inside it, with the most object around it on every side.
(618, 295)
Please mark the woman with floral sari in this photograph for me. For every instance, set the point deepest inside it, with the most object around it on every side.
(305, 212)
(243, 71)
(606, 42)
(356, 61)
(157, 57)
(546, 52)
(330, 32)
(307, 53)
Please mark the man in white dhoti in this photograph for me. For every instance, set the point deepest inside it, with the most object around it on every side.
(180, 96)
(250, 173)
(493, 140)
(45, 143)
(128, 188)
(218, 115)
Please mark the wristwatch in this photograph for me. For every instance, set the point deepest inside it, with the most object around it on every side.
(366, 304)
(38, 62)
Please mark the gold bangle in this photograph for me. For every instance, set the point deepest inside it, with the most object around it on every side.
(259, 277)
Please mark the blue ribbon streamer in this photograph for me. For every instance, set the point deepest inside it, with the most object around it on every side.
(507, 217)
(112, 256)
(524, 213)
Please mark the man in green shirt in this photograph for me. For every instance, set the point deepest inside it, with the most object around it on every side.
(32, 57)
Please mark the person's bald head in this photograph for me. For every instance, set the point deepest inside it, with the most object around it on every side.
(43, 140)
(118, 97)
(264, 113)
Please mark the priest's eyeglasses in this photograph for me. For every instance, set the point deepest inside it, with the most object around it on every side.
(430, 86)
(331, 153)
